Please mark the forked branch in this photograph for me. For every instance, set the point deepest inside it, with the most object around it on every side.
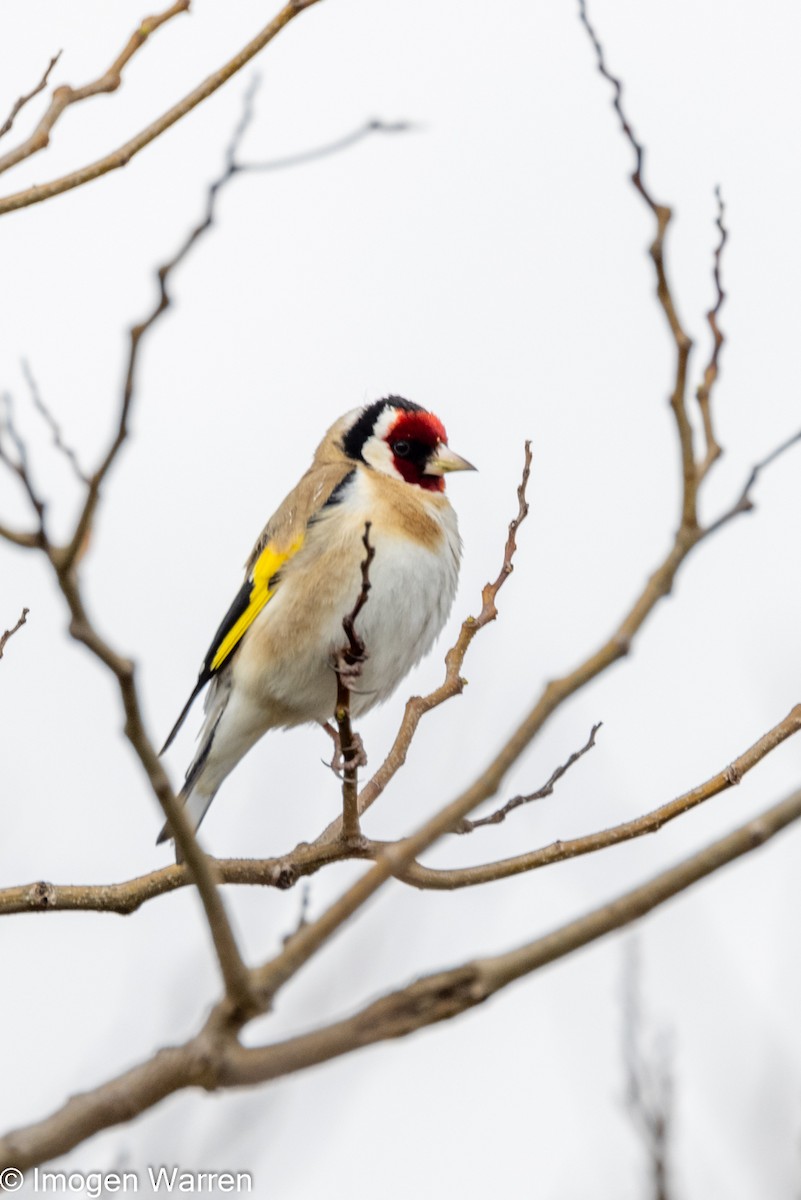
(211, 1062)
(65, 96)
(124, 153)
(20, 103)
(663, 215)
(542, 793)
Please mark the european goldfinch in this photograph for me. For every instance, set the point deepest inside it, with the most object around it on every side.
(270, 664)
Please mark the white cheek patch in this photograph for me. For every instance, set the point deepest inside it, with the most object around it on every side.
(377, 454)
(376, 451)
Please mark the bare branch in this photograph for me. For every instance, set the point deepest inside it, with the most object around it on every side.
(138, 332)
(210, 1061)
(284, 872)
(355, 652)
(19, 537)
(125, 898)
(650, 822)
(683, 342)
(744, 503)
(18, 465)
(704, 392)
(19, 104)
(240, 998)
(399, 858)
(689, 534)
(348, 667)
(501, 814)
(52, 424)
(303, 914)
(200, 867)
(123, 155)
(65, 95)
(649, 1085)
(9, 633)
(342, 143)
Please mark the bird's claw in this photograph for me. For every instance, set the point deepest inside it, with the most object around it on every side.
(348, 667)
(356, 755)
(340, 762)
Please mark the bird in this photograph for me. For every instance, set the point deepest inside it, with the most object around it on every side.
(271, 662)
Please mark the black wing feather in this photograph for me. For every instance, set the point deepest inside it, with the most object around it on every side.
(236, 610)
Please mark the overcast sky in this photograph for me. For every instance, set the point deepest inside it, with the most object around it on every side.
(492, 265)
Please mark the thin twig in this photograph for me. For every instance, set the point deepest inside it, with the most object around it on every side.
(348, 667)
(502, 813)
(124, 153)
(201, 868)
(335, 147)
(704, 392)
(19, 466)
(19, 537)
(683, 342)
(303, 914)
(591, 843)
(19, 104)
(649, 1084)
(52, 424)
(9, 633)
(65, 96)
(744, 503)
(138, 332)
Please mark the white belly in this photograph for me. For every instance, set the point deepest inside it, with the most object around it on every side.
(290, 677)
(410, 598)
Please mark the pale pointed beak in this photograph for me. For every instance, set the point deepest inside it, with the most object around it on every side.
(445, 460)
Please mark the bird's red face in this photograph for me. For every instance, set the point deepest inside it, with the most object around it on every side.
(402, 440)
(414, 439)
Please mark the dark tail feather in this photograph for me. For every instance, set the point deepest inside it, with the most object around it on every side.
(191, 797)
(196, 805)
(197, 689)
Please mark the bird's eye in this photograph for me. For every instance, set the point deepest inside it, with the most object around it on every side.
(401, 449)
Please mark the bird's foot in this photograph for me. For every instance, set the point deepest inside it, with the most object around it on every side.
(340, 761)
(355, 755)
(349, 668)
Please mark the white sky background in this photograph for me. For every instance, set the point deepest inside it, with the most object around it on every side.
(491, 265)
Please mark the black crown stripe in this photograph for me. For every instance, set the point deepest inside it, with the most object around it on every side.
(354, 440)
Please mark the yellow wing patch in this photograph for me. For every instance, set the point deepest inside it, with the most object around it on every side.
(267, 565)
